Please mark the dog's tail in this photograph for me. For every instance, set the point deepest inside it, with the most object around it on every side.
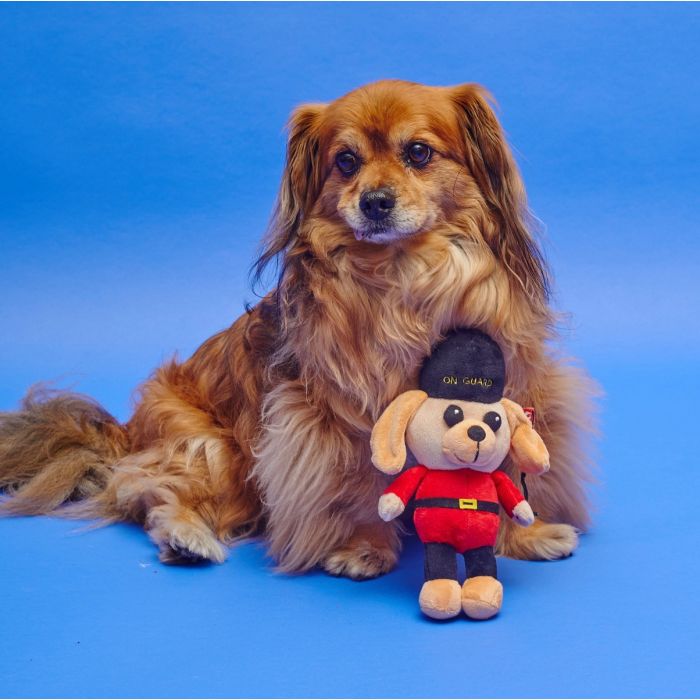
(58, 450)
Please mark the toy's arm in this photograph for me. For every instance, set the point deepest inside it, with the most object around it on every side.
(399, 493)
(512, 500)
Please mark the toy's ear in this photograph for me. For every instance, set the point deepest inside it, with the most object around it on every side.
(527, 449)
(388, 439)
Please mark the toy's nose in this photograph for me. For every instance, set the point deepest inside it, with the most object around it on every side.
(476, 433)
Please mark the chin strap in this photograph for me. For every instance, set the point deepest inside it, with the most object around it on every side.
(524, 485)
(530, 413)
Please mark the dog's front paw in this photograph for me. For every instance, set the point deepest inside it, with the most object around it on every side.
(555, 540)
(189, 545)
(539, 541)
(361, 559)
(194, 552)
(182, 542)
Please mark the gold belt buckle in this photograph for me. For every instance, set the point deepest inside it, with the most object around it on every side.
(467, 503)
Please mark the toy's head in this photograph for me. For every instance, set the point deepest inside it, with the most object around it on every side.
(458, 418)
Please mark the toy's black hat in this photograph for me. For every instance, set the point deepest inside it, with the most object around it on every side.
(467, 365)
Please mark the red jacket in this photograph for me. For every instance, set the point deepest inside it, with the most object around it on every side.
(463, 529)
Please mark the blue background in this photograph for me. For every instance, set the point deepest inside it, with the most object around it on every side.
(140, 152)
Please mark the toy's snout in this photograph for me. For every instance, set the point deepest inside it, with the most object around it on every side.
(472, 443)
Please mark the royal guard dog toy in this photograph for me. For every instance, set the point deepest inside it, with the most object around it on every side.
(460, 429)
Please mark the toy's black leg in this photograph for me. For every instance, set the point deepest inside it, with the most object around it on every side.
(482, 592)
(440, 561)
(440, 596)
(480, 562)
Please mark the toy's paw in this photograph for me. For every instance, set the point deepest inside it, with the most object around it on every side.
(523, 515)
(482, 597)
(440, 598)
(390, 506)
(361, 559)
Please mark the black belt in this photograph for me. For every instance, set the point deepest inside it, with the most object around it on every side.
(458, 503)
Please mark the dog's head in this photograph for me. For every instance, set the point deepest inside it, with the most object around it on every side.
(393, 160)
(393, 153)
(454, 434)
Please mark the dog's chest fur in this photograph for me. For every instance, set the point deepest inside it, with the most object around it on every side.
(370, 343)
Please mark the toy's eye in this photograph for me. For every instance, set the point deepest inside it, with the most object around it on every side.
(493, 420)
(418, 154)
(347, 162)
(453, 415)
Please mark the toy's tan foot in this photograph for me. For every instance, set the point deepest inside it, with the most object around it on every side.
(440, 598)
(482, 597)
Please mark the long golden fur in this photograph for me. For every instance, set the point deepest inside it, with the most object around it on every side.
(266, 427)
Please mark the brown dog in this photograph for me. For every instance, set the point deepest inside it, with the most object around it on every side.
(401, 215)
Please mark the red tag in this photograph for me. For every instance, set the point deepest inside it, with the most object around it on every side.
(530, 413)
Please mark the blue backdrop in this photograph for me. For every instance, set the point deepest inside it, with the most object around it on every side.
(140, 152)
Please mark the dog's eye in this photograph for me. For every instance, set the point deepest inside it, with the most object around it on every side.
(493, 420)
(347, 162)
(418, 154)
(453, 415)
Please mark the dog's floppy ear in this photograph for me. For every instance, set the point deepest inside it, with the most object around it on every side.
(527, 449)
(490, 161)
(301, 182)
(388, 439)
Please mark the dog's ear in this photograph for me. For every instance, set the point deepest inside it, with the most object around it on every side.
(301, 183)
(527, 449)
(491, 163)
(388, 439)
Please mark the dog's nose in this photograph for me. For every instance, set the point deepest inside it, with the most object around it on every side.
(476, 433)
(377, 204)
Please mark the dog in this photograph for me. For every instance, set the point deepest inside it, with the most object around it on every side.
(401, 215)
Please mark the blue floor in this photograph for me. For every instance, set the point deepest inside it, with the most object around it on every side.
(140, 152)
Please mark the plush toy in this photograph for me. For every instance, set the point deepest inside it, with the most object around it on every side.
(460, 429)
